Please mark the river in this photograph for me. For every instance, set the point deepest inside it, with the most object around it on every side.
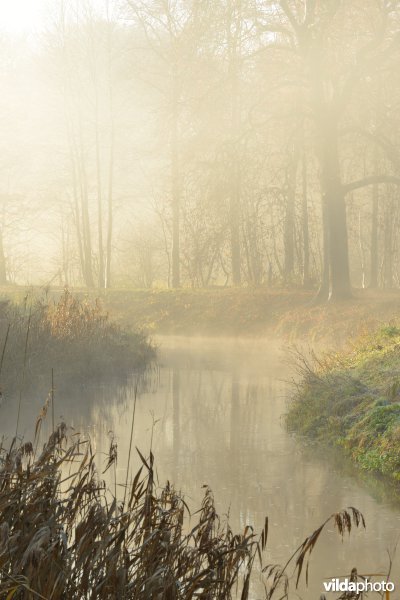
(212, 410)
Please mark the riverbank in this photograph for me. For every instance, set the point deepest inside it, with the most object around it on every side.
(285, 313)
(282, 313)
(351, 399)
(212, 419)
(72, 336)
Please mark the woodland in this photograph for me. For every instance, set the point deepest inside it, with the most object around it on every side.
(199, 143)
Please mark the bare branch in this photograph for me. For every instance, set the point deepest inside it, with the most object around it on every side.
(371, 180)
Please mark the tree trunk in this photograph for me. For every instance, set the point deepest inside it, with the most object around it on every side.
(336, 255)
(176, 278)
(233, 35)
(305, 224)
(107, 282)
(110, 215)
(332, 189)
(86, 234)
(374, 238)
(99, 211)
(3, 270)
(388, 245)
(235, 229)
(374, 227)
(323, 291)
(289, 226)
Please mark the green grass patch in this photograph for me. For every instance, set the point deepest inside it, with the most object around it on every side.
(352, 399)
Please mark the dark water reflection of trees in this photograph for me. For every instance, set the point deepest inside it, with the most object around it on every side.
(214, 416)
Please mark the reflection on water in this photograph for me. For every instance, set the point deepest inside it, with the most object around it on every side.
(212, 411)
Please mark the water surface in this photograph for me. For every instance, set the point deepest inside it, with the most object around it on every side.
(212, 412)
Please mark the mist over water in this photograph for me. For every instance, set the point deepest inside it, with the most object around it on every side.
(205, 165)
(212, 411)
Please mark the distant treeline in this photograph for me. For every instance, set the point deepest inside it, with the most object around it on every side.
(203, 143)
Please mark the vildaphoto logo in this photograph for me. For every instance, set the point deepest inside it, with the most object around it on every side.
(360, 584)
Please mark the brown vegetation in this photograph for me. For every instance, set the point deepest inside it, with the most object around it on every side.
(74, 336)
(63, 534)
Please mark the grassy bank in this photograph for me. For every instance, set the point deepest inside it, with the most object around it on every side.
(351, 399)
(74, 337)
(215, 311)
(287, 313)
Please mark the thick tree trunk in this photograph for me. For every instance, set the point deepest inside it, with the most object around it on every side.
(336, 254)
(87, 244)
(374, 258)
(334, 198)
(65, 252)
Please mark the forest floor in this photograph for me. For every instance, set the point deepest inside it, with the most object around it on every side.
(287, 313)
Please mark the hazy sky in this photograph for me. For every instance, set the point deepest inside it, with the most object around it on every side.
(30, 16)
(21, 15)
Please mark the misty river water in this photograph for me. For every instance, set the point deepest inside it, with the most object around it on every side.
(212, 410)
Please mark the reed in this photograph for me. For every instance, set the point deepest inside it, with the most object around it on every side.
(65, 535)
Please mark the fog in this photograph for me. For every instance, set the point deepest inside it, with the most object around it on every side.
(200, 146)
(212, 414)
(199, 143)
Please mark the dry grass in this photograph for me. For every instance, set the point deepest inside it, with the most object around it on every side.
(75, 337)
(64, 535)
